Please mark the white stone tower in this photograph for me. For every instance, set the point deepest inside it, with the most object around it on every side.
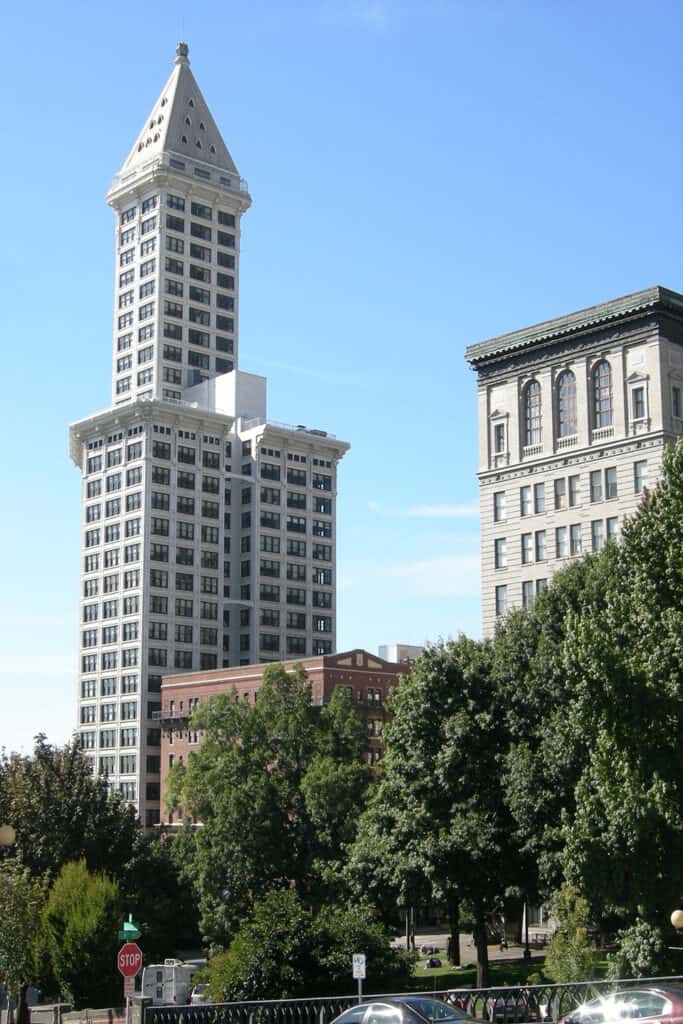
(208, 533)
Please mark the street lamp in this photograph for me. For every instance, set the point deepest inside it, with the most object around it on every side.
(7, 835)
(677, 919)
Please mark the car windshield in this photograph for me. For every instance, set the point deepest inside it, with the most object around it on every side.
(434, 1009)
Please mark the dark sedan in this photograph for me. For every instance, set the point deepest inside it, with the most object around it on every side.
(403, 1010)
(663, 1005)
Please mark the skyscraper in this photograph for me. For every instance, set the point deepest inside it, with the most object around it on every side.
(208, 532)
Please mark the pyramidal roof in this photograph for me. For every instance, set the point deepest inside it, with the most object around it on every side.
(180, 122)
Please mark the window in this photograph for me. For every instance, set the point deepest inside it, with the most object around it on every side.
(561, 549)
(597, 534)
(676, 402)
(539, 545)
(498, 506)
(500, 555)
(501, 599)
(596, 485)
(575, 544)
(525, 500)
(532, 414)
(639, 476)
(528, 594)
(321, 482)
(566, 404)
(560, 489)
(611, 482)
(499, 438)
(638, 403)
(573, 491)
(602, 395)
(526, 548)
(296, 499)
(612, 527)
(539, 498)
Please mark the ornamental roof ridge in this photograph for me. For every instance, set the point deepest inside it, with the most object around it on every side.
(181, 123)
(580, 320)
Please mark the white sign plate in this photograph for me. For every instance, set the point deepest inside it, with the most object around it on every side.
(128, 987)
(359, 965)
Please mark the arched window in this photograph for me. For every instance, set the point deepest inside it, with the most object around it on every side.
(566, 404)
(532, 413)
(602, 395)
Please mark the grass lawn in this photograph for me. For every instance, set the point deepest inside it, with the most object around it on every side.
(501, 972)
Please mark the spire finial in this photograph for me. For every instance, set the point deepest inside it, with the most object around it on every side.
(181, 53)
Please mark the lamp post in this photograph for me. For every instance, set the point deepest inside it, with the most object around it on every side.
(677, 919)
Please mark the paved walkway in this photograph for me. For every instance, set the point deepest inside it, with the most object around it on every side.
(468, 952)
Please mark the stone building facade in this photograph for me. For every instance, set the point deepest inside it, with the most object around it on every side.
(574, 414)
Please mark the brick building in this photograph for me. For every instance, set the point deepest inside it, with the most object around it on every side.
(369, 678)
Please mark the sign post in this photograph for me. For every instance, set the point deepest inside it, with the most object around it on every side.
(359, 972)
(129, 962)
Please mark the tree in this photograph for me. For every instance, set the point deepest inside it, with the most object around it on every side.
(156, 891)
(436, 826)
(21, 902)
(569, 956)
(61, 812)
(624, 665)
(80, 922)
(277, 785)
(641, 953)
(285, 950)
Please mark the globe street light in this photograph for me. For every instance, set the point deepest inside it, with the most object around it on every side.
(677, 919)
(7, 835)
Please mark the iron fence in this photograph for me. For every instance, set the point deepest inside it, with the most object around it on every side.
(524, 1004)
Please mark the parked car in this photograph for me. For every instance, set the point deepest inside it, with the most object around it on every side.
(403, 1010)
(663, 1005)
(199, 994)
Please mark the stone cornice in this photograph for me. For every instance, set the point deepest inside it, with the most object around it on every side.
(145, 410)
(577, 457)
(626, 308)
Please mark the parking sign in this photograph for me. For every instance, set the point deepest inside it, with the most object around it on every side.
(359, 965)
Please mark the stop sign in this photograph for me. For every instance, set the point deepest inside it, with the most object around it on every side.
(129, 959)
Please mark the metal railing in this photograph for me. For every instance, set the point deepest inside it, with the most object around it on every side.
(514, 1004)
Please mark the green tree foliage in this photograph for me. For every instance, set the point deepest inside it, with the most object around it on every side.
(277, 785)
(21, 902)
(624, 664)
(547, 751)
(641, 953)
(285, 950)
(61, 812)
(79, 923)
(155, 891)
(569, 956)
(436, 827)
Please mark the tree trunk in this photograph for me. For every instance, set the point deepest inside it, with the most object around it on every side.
(21, 1015)
(481, 947)
(454, 926)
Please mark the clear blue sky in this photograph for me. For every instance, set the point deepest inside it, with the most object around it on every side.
(425, 174)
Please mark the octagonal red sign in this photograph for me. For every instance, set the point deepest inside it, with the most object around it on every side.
(129, 959)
